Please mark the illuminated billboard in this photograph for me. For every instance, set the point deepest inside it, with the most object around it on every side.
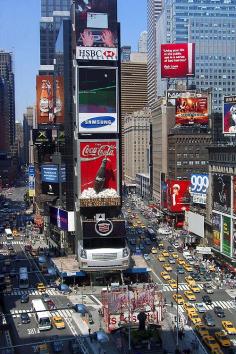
(93, 10)
(191, 110)
(64, 220)
(31, 174)
(59, 100)
(42, 136)
(229, 115)
(177, 60)
(216, 229)
(226, 236)
(178, 195)
(94, 53)
(222, 193)
(234, 195)
(199, 186)
(97, 100)
(49, 173)
(99, 173)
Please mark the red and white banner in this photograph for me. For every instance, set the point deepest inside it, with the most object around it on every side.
(178, 195)
(125, 318)
(177, 60)
(94, 53)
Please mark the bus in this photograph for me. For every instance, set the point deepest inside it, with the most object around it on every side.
(23, 278)
(8, 233)
(42, 316)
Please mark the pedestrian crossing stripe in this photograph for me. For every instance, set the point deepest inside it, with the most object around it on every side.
(226, 305)
(18, 292)
(180, 287)
(14, 242)
(67, 313)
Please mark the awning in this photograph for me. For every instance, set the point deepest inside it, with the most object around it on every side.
(72, 274)
(136, 270)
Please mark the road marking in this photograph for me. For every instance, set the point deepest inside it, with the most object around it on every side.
(18, 292)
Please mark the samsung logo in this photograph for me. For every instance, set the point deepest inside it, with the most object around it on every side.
(97, 122)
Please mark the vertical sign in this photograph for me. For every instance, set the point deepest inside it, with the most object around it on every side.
(31, 172)
(216, 227)
(226, 239)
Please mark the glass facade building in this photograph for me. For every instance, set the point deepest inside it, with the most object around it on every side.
(212, 26)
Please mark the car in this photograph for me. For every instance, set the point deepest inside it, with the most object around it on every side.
(190, 295)
(171, 260)
(146, 257)
(211, 343)
(24, 298)
(194, 317)
(207, 277)
(200, 307)
(195, 276)
(181, 261)
(165, 253)
(189, 307)
(64, 289)
(46, 297)
(175, 255)
(154, 250)
(194, 288)
(207, 299)
(202, 330)
(189, 280)
(208, 319)
(219, 311)
(24, 317)
(51, 305)
(41, 287)
(172, 283)
(170, 249)
(57, 344)
(167, 267)
(202, 270)
(58, 322)
(188, 267)
(161, 258)
(178, 299)
(211, 268)
(208, 288)
(176, 244)
(10, 247)
(141, 246)
(228, 327)
(222, 339)
(165, 275)
(148, 242)
(28, 248)
(180, 269)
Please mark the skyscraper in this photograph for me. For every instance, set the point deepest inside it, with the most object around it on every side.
(212, 26)
(154, 8)
(27, 126)
(8, 100)
(142, 42)
(52, 14)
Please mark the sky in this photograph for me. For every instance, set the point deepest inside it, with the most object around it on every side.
(19, 33)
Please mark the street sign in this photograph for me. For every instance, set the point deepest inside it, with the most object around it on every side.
(100, 216)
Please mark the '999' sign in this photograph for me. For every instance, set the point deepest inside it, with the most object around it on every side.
(199, 184)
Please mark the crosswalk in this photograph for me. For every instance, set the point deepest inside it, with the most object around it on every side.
(14, 242)
(225, 304)
(19, 292)
(65, 313)
(182, 286)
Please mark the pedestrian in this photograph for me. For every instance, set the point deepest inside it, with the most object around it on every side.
(90, 336)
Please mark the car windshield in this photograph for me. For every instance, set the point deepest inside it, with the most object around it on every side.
(229, 325)
(211, 341)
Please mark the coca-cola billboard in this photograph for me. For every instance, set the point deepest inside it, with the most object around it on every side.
(99, 173)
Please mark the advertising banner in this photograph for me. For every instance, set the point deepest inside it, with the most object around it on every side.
(234, 195)
(31, 173)
(222, 193)
(216, 228)
(93, 53)
(111, 228)
(178, 195)
(49, 173)
(97, 100)
(88, 8)
(177, 60)
(234, 238)
(199, 186)
(229, 115)
(226, 236)
(50, 188)
(59, 100)
(116, 320)
(192, 110)
(63, 219)
(42, 137)
(99, 173)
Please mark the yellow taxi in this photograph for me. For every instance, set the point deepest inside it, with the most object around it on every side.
(139, 222)
(172, 283)
(188, 267)
(161, 258)
(165, 275)
(202, 330)
(175, 255)
(58, 322)
(167, 267)
(194, 317)
(15, 233)
(154, 250)
(211, 343)
(178, 299)
(41, 287)
(134, 224)
(189, 280)
(143, 226)
(223, 339)
(194, 288)
(189, 307)
(161, 244)
(228, 327)
(211, 268)
(165, 253)
(181, 261)
(190, 295)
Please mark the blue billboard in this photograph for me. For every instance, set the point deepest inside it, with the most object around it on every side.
(49, 173)
(63, 219)
(199, 186)
(31, 184)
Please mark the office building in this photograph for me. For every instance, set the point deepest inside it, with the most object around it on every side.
(125, 53)
(28, 118)
(8, 85)
(142, 42)
(136, 143)
(52, 14)
(154, 8)
(212, 27)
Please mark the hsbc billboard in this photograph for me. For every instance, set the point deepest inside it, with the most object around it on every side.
(93, 53)
(177, 60)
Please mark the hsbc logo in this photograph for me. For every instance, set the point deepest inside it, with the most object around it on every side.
(104, 227)
(93, 53)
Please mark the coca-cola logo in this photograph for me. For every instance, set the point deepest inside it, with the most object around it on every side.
(93, 152)
(104, 227)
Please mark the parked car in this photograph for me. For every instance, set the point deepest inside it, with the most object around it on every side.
(219, 311)
(208, 319)
(24, 317)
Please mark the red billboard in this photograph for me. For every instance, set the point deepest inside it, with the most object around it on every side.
(191, 110)
(178, 195)
(177, 60)
(99, 173)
